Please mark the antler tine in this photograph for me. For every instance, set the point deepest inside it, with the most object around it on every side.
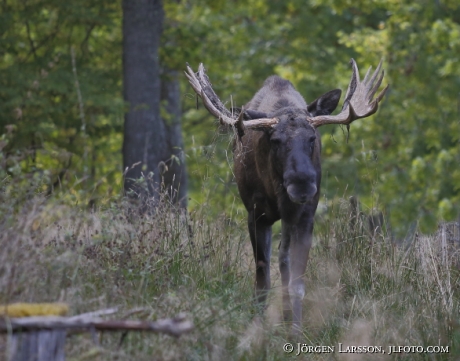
(374, 89)
(352, 85)
(192, 79)
(376, 72)
(367, 74)
(359, 102)
(382, 93)
(212, 99)
(201, 85)
(355, 70)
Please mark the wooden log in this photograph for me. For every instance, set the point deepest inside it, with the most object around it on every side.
(42, 338)
(171, 326)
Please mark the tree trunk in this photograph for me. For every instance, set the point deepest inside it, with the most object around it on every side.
(144, 133)
(174, 174)
(153, 147)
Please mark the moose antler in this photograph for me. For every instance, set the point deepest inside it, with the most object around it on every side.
(359, 102)
(202, 86)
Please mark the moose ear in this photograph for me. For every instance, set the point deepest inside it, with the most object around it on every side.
(325, 104)
(235, 110)
(255, 115)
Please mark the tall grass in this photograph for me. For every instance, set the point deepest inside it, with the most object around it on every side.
(362, 288)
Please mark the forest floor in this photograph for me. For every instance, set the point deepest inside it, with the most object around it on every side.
(362, 290)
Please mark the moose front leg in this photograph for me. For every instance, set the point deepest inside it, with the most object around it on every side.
(260, 232)
(284, 264)
(300, 244)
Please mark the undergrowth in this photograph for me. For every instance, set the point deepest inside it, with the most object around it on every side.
(363, 288)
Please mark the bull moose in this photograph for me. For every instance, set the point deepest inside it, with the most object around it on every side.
(277, 167)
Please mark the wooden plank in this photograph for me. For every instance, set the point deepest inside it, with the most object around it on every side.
(37, 345)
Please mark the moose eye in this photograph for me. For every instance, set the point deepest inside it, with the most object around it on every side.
(312, 143)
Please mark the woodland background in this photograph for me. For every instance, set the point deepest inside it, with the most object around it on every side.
(404, 160)
(68, 234)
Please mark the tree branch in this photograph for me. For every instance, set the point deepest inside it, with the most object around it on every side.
(84, 43)
(32, 45)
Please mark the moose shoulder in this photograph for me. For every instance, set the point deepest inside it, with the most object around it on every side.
(278, 170)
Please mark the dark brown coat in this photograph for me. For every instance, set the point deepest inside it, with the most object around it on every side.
(278, 172)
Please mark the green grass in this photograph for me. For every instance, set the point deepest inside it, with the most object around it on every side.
(361, 289)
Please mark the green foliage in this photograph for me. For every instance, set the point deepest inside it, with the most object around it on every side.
(403, 160)
(38, 89)
(415, 138)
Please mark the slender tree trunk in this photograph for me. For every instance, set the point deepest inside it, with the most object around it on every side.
(174, 175)
(144, 132)
(153, 147)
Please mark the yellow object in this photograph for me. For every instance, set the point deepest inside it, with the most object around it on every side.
(34, 309)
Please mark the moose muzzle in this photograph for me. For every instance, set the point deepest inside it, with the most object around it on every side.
(301, 193)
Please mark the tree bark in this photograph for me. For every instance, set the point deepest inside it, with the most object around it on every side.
(174, 172)
(152, 147)
(144, 133)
